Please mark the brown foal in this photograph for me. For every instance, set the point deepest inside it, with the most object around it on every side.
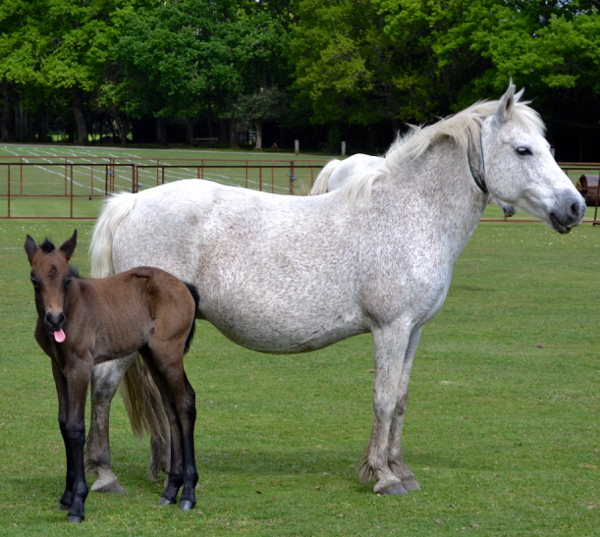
(85, 321)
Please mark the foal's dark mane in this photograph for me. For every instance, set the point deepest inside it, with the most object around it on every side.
(47, 246)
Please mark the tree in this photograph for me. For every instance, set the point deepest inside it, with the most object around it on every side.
(268, 104)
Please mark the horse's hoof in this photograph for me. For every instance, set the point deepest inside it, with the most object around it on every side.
(164, 501)
(186, 505)
(411, 484)
(112, 487)
(393, 489)
(75, 519)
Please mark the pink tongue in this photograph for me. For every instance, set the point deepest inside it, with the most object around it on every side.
(59, 336)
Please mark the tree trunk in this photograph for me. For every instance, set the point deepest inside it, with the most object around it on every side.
(161, 131)
(20, 120)
(232, 141)
(190, 130)
(259, 126)
(5, 115)
(82, 133)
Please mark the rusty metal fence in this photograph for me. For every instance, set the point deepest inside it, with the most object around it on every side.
(75, 187)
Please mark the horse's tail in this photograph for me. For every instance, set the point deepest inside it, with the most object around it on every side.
(322, 181)
(141, 397)
(116, 209)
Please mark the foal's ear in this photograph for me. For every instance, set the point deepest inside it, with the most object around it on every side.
(31, 248)
(68, 246)
(504, 111)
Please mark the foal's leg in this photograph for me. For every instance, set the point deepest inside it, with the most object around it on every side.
(395, 459)
(63, 410)
(390, 345)
(77, 373)
(106, 378)
(179, 403)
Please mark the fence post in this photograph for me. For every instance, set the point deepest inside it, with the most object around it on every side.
(71, 190)
(292, 177)
(297, 147)
(134, 187)
(8, 198)
(66, 180)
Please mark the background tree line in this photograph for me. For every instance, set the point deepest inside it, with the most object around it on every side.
(168, 70)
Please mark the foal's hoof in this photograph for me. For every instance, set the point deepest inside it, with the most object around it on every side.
(75, 518)
(393, 489)
(186, 505)
(411, 484)
(164, 501)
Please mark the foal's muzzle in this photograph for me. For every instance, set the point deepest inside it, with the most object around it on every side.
(54, 321)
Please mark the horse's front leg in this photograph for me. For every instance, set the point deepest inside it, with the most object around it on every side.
(395, 458)
(106, 378)
(390, 345)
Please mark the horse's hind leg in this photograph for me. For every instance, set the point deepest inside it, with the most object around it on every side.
(106, 378)
(395, 458)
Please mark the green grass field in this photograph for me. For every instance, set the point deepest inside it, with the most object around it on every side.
(501, 430)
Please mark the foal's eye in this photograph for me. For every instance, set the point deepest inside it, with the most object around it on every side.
(35, 283)
(524, 151)
(67, 283)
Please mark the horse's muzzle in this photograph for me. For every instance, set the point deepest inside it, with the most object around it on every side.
(568, 213)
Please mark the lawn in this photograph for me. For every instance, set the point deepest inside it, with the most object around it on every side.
(501, 430)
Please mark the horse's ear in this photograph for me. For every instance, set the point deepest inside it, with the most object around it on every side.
(504, 111)
(68, 246)
(31, 248)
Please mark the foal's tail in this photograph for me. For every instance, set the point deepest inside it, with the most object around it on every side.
(141, 397)
(322, 181)
(194, 292)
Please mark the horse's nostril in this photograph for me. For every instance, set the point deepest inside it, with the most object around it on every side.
(61, 318)
(575, 209)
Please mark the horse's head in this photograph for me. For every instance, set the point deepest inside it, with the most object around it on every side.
(520, 169)
(51, 277)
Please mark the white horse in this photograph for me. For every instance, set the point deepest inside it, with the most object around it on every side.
(336, 173)
(373, 256)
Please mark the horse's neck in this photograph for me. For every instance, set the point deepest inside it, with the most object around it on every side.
(444, 194)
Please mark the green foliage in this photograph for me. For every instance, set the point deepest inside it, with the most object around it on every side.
(360, 62)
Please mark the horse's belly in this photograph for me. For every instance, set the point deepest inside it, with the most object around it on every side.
(282, 334)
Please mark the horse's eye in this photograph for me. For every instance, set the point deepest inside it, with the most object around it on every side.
(524, 151)
(67, 283)
(35, 283)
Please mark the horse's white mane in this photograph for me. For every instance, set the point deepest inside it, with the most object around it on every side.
(460, 128)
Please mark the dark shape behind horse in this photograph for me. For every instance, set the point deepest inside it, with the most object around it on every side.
(83, 322)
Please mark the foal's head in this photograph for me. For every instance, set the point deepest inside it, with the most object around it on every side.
(51, 277)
